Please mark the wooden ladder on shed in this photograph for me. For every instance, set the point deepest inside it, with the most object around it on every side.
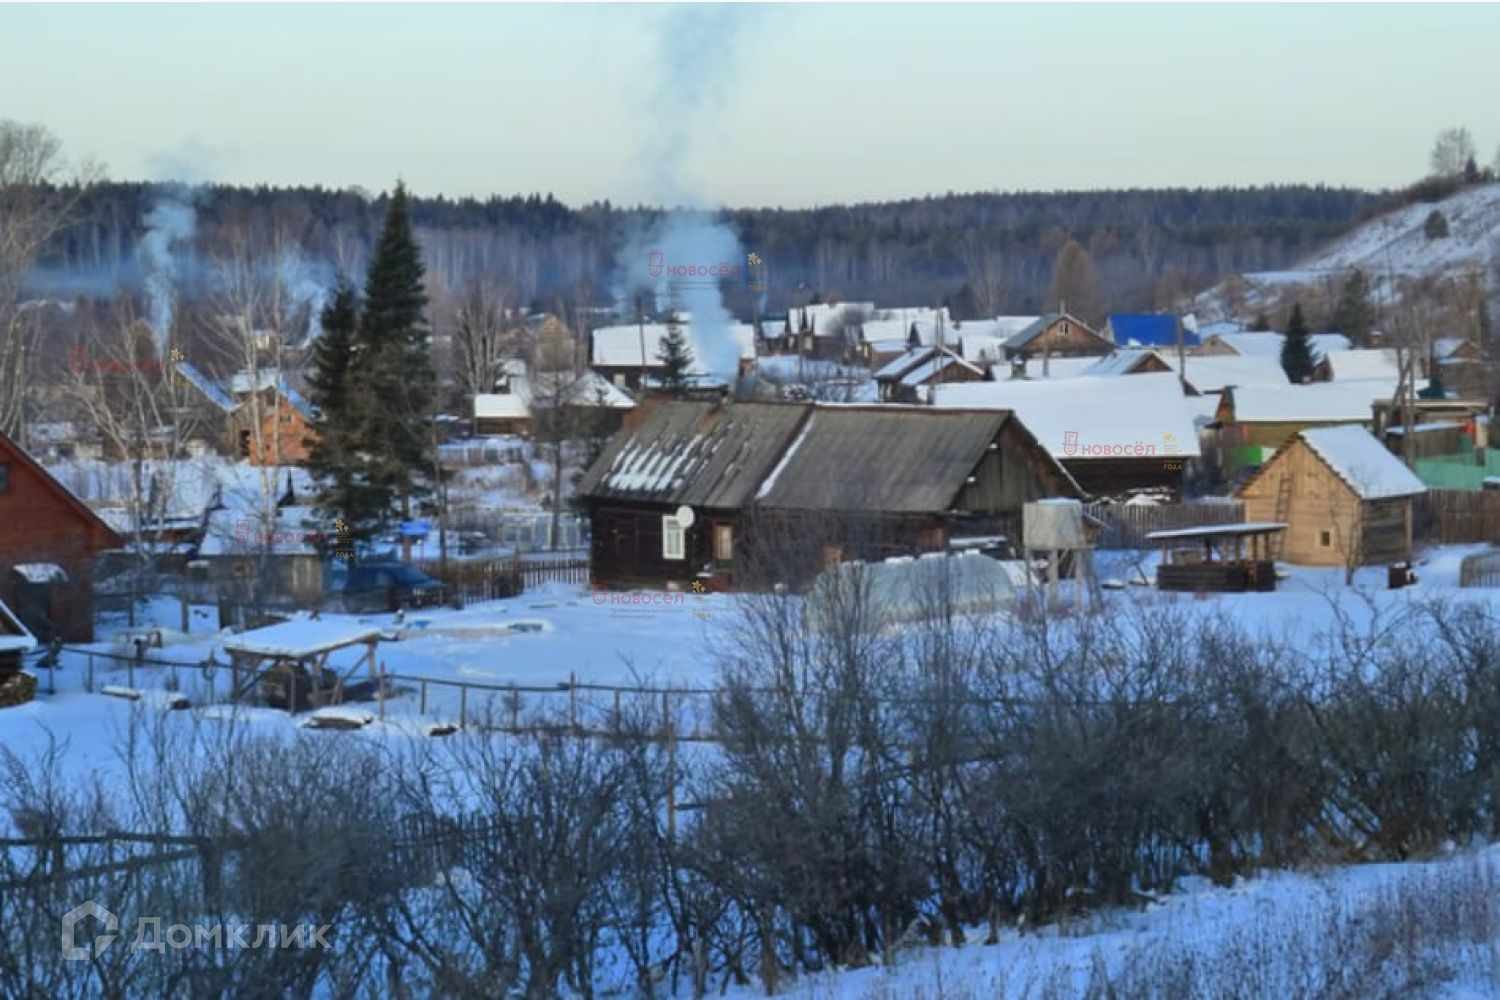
(1283, 507)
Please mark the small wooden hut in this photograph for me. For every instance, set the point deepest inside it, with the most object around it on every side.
(1346, 500)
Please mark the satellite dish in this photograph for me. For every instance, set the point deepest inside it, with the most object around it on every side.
(685, 516)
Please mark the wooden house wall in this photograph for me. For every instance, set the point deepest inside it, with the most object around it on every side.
(283, 436)
(1325, 518)
(1067, 338)
(38, 525)
(625, 550)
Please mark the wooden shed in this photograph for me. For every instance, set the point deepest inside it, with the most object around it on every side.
(48, 541)
(1346, 500)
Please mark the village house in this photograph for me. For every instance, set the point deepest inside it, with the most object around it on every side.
(1254, 421)
(48, 543)
(1345, 499)
(629, 355)
(904, 379)
(1115, 435)
(1458, 364)
(667, 498)
(1057, 335)
(735, 493)
(873, 482)
(262, 418)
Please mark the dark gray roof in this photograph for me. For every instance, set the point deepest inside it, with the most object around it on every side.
(1030, 333)
(881, 459)
(701, 454)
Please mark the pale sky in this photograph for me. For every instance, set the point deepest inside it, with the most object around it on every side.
(766, 105)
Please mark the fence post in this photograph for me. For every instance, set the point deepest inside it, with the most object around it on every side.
(515, 708)
(423, 709)
(90, 684)
(618, 718)
(573, 699)
(380, 691)
(463, 704)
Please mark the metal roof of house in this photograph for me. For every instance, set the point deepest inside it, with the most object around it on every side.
(711, 455)
(883, 459)
(1147, 330)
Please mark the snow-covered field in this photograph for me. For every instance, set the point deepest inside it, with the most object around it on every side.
(1422, 928)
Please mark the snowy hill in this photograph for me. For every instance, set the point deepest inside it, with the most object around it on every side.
(1392, 250)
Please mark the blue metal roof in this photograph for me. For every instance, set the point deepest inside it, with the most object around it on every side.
(1147, 330)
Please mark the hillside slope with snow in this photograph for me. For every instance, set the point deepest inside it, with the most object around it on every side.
(1392, 251)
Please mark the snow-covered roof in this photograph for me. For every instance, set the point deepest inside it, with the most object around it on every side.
(296, 532)
(1090, 416)
(300, 639)
(932, 366)
(500, 406)
(243, 383)
(587, 389)
(1048, 368)
(41, 572)
(1120, 362)
(980, 348)
(621, 346)
(14, 638)
(1362, 462)
(898, 366)
(1320, 402)
(1248, 342)
(1214, 372)
(1380, 363)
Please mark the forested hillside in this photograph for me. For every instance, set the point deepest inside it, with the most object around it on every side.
(981, 253)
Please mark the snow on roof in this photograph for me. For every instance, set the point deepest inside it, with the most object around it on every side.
(41, 572)
(1320, 402)
(296, 532)
(932, 366)
(1120, 362)
(1212, 373)
(1362, 462)
(620, 346)
(980, 348)
(1090, 416)
(1365, 364)
(1268, 344)
(898, 366)
(500, 406)
(1220, 530)
(1051, 368)
(245, 382)
(14, 637)
(300, 639)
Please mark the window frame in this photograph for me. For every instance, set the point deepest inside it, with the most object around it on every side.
(672, 529)
(723, 542)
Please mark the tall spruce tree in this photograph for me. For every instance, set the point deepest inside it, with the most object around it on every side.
(394, 378)
(333, 449)
(676, 358)
(1354, 314)
(1296, 350)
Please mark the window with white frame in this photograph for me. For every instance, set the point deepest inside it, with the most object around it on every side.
(673, 541)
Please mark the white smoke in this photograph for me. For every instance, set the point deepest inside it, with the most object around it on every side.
(695, 64)
(306, 284)
(169, 228)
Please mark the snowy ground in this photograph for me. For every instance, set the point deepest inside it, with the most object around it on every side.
(1416, 929)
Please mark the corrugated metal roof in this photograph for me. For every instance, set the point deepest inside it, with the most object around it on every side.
(700, 454)
(881, 459)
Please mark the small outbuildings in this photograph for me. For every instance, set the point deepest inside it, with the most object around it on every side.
(1345, 499)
